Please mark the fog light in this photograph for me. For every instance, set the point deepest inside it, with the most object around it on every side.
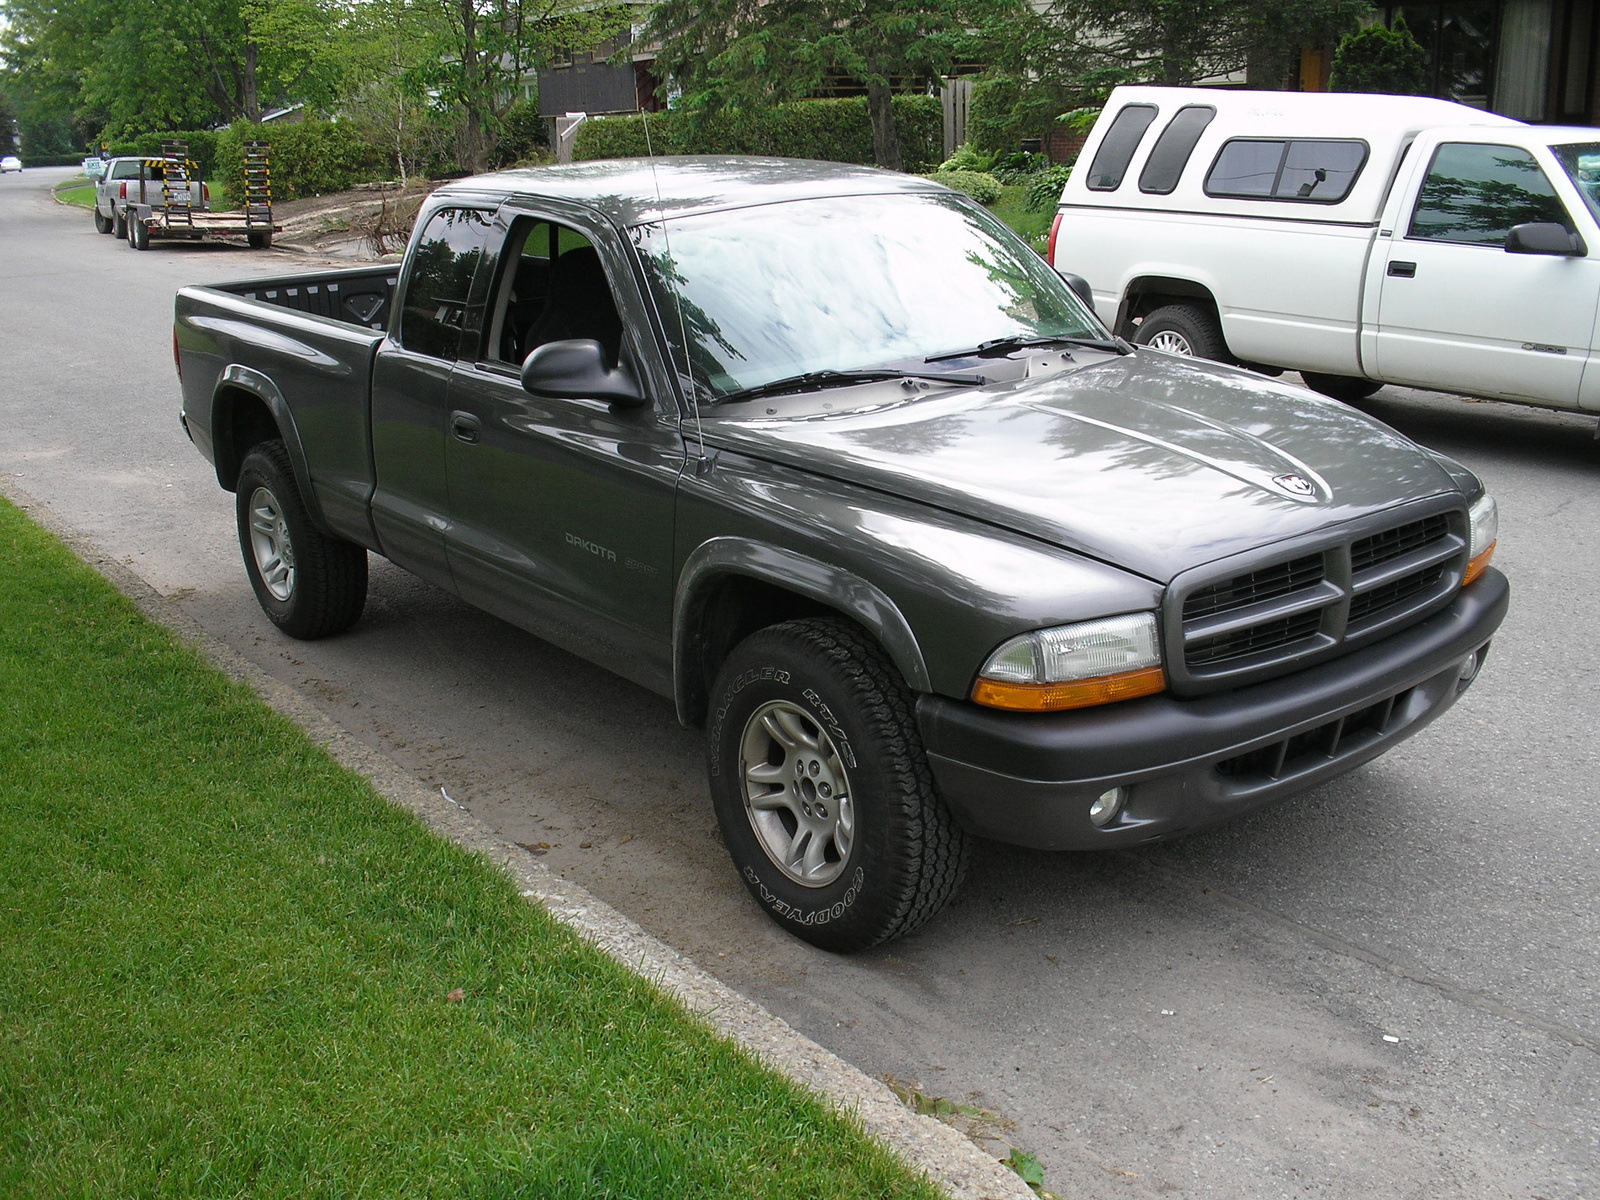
(1469, 667)
(1106, 806)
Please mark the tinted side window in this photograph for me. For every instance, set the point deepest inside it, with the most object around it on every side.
(1475, 194)
(442, 267)
(1116, 151)
(1172, 149)
(1317, 171)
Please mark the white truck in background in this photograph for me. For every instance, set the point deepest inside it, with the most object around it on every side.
(1357, 239)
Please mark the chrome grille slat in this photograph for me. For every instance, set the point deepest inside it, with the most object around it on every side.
(1273, 616)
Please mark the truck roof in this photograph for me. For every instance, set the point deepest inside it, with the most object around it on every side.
(631, 191)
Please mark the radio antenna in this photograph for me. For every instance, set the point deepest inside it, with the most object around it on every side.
(677, 301)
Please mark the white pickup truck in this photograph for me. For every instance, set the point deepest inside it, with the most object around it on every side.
(1357, 239)
(133, 180)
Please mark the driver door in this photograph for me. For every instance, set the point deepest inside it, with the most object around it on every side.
(562, 509)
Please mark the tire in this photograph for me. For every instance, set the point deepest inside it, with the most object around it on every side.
(1184, 329)
(309, 584)
(102, 223)
(1349, 388)
(119, 222)
(138, 234)
(259, 241)
(801, 713)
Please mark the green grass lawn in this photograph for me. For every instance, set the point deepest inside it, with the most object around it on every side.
(226, 968)
(78, 191)
(1012, 208)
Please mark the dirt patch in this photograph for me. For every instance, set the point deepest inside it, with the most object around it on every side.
(365, 224)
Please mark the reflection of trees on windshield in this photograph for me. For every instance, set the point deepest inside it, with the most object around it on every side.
(441, 279)
(699, 326)
(1031, 305)
(1476, 194)
(1582, 163)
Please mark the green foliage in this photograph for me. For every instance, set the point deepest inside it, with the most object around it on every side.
(982, 187)
(202, 147)
(968, 158)
(308, 159)
(1025, 1164)
(1044, 192)
(832, 130)
(523, 133)
(1376, 59)
(734, 54)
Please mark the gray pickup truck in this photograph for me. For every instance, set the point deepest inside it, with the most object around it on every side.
(830, 457)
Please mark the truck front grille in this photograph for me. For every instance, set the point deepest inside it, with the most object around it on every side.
(1275, 615)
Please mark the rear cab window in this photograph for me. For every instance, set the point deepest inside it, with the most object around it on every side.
(1303, 170)
(442, 268)
(1117, 148)
(1473, 194)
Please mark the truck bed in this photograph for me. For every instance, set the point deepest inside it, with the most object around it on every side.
(360, 296)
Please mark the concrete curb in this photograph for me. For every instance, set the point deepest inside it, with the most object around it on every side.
(923, 1143)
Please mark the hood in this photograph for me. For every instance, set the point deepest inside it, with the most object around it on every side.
(1148, 461)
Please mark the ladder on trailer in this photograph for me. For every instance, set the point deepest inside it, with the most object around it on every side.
(176, 195)
(257, 187)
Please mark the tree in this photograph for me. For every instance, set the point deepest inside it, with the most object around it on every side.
(1376, 59)
(1185, 41)
(733, 54)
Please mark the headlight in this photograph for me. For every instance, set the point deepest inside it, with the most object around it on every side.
(1485, 519)
(1074, 666)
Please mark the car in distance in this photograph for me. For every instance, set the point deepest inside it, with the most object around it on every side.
(10, 163)
(828, 456)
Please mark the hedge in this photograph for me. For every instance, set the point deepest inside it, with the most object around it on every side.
(833, 130)
(981, 186)
(202, 147)
(50, 160)
(309, 158)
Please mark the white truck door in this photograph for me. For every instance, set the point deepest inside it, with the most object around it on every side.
(1455, 310)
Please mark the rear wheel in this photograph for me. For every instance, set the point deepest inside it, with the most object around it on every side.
(102, 223)
(259, 241)
(138, 234)
(119, 222)
(309, 584)
(1349, 388)
(1184, 329)
(822, 789)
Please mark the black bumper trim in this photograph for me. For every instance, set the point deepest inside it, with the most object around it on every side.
(1030, 779)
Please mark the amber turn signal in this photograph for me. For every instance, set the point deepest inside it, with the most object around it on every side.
(1080, 693)
(1478, 565)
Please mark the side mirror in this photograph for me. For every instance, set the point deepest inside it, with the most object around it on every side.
(1080, 285)
(1545, 237)
(576, 370)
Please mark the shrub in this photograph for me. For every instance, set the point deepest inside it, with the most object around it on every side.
(307, 159)
(832, 130)
(1044, 191)
(1376, 59)
(983, 188)
(202, 146)
(523, 134)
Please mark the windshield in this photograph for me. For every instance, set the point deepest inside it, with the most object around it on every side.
(1582, 161)
(843, 283)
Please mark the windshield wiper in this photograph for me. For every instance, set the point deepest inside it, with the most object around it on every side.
(816, 381)
(996, 347)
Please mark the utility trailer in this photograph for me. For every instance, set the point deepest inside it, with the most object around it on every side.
(177, 217)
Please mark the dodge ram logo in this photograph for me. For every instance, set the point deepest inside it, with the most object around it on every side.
(1294, 484)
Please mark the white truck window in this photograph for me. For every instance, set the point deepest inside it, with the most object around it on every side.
(1475, 193)
(1170, 154)
(1116, 150)
(1310, 170)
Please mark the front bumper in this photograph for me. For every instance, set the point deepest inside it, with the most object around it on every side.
(1190, 762)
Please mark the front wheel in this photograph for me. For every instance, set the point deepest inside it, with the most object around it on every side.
(1349, 388)
(1184, 329)
(309, 584)
(822, 789)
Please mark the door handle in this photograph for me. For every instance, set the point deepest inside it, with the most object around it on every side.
(1403, 270)
(466, 427)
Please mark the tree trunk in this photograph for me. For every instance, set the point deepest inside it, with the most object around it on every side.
(251, 100)
(885, 140)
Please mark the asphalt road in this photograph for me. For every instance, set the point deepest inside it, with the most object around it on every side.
(1387, 988)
